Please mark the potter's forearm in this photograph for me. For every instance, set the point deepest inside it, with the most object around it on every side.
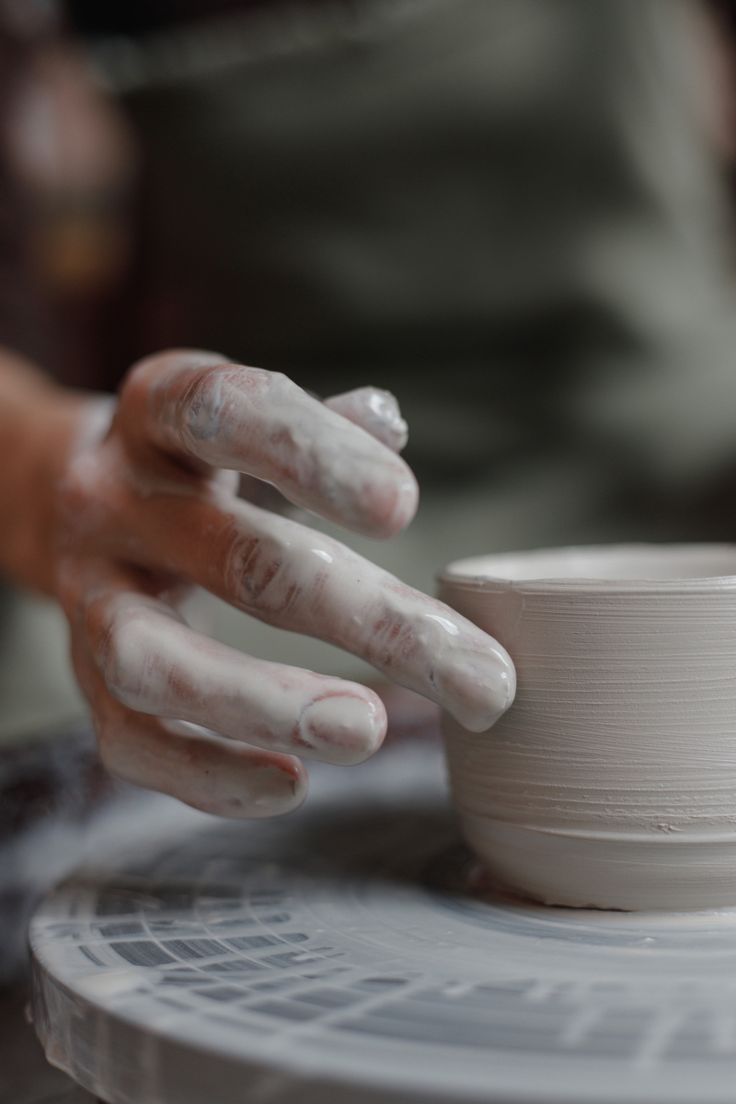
(38, 421)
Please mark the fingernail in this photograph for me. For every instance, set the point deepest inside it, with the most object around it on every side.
(390, 504)
(342, 728)
(478, 687)
(272, 791)
(407, 500)
(386, 421)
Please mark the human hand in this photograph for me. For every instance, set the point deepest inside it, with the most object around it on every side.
(148, 508)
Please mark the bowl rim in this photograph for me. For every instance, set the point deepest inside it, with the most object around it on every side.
(459, 575)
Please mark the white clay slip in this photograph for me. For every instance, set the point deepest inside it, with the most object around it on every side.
(611, 781)
(144, 513)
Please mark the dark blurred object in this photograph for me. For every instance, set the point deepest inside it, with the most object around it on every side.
(67, 164)
(116, 17)
(49, 788)
(726, 11)
(23, 29)
(26, 1077)
(724, 23)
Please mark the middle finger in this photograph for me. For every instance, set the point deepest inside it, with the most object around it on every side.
(293, 577)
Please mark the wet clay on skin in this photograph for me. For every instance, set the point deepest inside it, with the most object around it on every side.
(611, 782)
(147, 509)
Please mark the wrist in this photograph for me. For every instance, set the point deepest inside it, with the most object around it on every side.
(44, 424)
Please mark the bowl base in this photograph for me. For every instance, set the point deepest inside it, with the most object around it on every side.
(662, 872)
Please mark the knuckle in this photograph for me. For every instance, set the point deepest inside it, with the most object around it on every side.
(272, 574)
(136, 376)
(204, 400)
(201, 404)
(279, 381)
(392, 636)
(136, 382)
(263, 382)
(253, 567)
(122, 644)
(79, 486)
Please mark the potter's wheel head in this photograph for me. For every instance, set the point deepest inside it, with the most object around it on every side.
(351, 953)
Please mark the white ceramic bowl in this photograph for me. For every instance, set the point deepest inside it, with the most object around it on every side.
(611, 781)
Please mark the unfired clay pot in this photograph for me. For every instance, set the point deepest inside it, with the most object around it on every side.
(611, 781)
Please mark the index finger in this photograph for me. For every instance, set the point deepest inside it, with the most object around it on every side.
(199, 407)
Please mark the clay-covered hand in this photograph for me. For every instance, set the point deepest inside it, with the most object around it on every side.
(146, 507)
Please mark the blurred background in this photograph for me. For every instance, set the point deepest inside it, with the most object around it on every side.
(515, 214)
